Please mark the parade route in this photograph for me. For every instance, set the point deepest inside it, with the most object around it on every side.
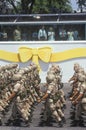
(37, 121)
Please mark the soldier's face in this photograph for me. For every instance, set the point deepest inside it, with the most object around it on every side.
(76, 68)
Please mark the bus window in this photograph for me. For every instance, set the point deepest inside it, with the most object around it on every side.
(43, 28)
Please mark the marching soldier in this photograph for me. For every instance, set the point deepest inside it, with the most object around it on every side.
(81, 89)
(78, 98)
(51, 98)
(73, 79)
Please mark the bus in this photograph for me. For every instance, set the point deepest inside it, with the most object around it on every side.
(58, 27)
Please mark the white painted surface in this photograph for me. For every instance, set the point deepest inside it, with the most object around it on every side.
(67, 66)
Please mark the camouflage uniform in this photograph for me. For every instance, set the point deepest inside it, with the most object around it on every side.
(17, 86)
(80, 84)
(53, 95)
(74, 80)
(53, 102)
(78, 96)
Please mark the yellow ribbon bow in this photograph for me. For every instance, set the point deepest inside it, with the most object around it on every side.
(43, 53)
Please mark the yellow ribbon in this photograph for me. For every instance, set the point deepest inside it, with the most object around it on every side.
(9, 56)
(45, 54)
(68, 54)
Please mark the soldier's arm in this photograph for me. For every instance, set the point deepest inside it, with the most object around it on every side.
(11, 96)
(71, 79)
(75, 80)
(16, 89)
(48, 92)
(78, 99)
(43, 98)
(74, 95)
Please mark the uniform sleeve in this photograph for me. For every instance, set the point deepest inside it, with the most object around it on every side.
(83, 89)
(78, 88)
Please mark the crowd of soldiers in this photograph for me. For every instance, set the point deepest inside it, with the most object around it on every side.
(78, 93)
(21, 84)
(22, 87)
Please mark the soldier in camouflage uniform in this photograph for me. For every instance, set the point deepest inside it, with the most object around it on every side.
(25, 91)
(81, 87)
(52, 96)
(78, 97)
(56, 70)
(73, 79)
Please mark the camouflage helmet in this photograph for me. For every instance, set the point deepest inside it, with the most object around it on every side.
(53, 67)
(50, 78)
(26, 70)
(34, 66)
(76, 64)
(76, 67)
(16, 77)
(14, 65)
(21, 71)
(11, 66)
(51, 72)
(56, 68)
(2, 68)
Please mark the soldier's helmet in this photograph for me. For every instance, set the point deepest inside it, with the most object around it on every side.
(26, 70)
(83, 102)
(21, 71)
(55, 68)
(16, 77)
(33, 66)
(50, 78)
(2, 68)
(51, 72)
(10, 66)
(76, 67)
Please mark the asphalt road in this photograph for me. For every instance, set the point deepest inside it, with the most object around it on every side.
(37, 121)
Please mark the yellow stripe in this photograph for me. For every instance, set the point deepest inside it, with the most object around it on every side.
(9, 56)
(69, 54)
